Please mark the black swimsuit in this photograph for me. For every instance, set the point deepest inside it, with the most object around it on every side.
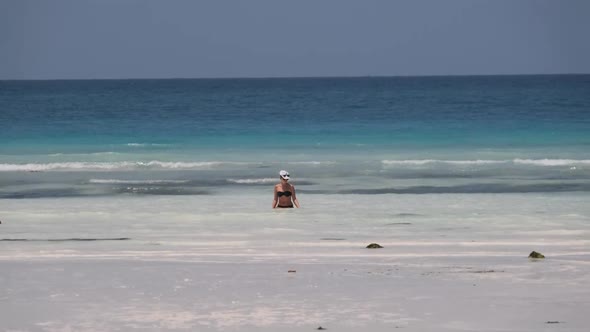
(287, 194)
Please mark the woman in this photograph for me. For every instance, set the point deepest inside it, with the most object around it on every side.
(284, 193)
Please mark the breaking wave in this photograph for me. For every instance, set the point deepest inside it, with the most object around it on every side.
(534, 162)
(552, 162)
(117, 181)
(122, 165)
(184, 165)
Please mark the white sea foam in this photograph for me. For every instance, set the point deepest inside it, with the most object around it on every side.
(314, 163)
(122, 165)
(190, 165)
(435, 161)
(64, 166)
(252, 181)
(118, 181)
(179, 164)
(552, 162)
(517, 161)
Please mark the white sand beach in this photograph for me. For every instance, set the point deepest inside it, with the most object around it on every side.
(448, 263)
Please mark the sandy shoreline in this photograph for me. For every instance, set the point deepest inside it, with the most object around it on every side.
(444, 267)
(448, 294)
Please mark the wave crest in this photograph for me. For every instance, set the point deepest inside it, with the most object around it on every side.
(552, 162)
(117, 181)
(418, 162)
(122, 165)
(517, 161)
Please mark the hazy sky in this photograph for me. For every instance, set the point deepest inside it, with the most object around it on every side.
(269, 38)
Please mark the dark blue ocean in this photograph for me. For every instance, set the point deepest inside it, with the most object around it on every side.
(473, 134)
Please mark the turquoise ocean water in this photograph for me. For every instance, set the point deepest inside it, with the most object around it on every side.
(146, 204)
(373, 135)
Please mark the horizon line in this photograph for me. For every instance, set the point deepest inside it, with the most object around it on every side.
(287, 77)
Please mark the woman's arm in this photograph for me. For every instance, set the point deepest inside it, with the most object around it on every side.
(295, 201)
(275, 200)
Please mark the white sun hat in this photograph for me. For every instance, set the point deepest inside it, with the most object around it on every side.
(284, 174)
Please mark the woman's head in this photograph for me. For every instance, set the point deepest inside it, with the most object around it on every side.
(284, 175)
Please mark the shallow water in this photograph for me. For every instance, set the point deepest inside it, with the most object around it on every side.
(201, 226)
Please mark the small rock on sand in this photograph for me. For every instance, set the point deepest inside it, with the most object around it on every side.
(374, 246)
(535, 254)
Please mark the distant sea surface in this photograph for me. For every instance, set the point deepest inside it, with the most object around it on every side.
(372, 135)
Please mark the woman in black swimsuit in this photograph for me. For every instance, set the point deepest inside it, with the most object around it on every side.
(284, 193)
